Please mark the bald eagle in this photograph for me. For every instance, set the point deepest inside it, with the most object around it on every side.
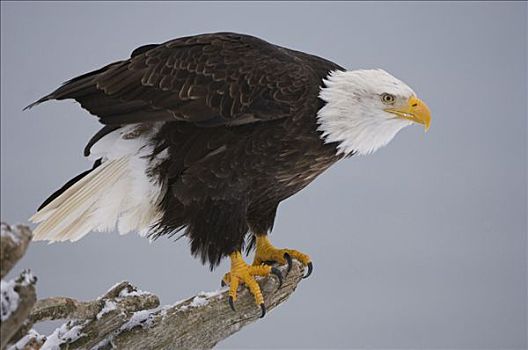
(208, 134)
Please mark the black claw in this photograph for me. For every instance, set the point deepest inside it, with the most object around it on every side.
(263, 309)
(289, 261)
(231, 303)
(223, 284)
(277, 273)
(310, 269)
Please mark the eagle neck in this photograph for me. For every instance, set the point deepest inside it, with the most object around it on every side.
(349, 122)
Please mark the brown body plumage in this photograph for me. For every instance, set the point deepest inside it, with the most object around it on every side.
(237, 116)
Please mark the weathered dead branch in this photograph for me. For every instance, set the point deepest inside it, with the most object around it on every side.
(17, 295)
(127, 318)
(13, 244)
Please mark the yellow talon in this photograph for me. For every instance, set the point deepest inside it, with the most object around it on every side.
(242, 272)
(265, 251)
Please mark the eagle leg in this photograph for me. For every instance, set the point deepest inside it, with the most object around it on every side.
(242, 272)
(267, 252)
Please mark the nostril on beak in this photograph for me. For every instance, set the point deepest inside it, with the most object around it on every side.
(414, 104)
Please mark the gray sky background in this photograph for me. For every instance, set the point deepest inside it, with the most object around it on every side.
(421, 245)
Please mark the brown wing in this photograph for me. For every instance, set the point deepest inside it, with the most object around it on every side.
(210, 79)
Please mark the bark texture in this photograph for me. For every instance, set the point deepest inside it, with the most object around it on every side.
(13, 244)
(17, 295)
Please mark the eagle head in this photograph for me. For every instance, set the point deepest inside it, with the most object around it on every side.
(365, 109)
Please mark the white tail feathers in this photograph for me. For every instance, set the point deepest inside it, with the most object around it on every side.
(118, 193)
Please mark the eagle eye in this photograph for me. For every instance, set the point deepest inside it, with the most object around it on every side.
(387, 98)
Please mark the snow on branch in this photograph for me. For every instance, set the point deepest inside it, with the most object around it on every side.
(14, 242)
(128, 318)
(17, 295)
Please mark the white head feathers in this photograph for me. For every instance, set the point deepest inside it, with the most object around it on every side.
(354, 115)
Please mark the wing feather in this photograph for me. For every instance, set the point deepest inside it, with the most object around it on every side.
(234, 78)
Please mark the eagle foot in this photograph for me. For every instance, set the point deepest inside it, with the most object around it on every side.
(242, 272)
(267, 253)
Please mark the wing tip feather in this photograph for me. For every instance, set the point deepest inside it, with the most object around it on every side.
(37, 102)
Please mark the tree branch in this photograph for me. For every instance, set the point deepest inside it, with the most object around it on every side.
(13, 244)
(127, 318)
(206, 319)
(125, 297)
(17, 295)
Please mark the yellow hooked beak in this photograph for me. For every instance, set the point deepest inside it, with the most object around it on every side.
(416, 111)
